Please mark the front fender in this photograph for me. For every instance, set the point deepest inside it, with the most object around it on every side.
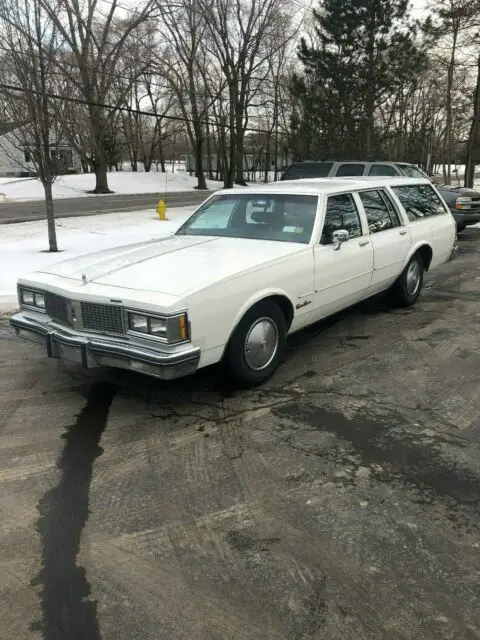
(258, 296)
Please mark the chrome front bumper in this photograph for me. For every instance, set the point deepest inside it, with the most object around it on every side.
(91, 352)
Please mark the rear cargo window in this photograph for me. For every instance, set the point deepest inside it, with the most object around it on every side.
(419, 201)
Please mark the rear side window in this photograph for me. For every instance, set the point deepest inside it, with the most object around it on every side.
(382, 170)
(411, 171)
(350, 169)
(419, 201)
(341, 213)
(379, 212)
(307, 170)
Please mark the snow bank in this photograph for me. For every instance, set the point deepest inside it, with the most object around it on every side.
(22, 246)
(121, 182)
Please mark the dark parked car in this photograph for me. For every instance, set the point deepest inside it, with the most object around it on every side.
(463, 203)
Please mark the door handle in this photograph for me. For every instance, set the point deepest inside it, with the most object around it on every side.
(403, 232)
(363, 243)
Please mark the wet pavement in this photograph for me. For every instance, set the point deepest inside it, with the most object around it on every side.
(341, 501)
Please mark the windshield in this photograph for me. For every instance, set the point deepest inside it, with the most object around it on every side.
(280, 217)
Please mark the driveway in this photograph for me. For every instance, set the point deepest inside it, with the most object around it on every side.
(339, 502)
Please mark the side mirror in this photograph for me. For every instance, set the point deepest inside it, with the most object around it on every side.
(339, 237)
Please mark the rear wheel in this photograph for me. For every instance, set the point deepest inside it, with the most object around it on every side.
(409, 285)
(257, 345)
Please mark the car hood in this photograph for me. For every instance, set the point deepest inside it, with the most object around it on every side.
(175, 265)
(460, 191)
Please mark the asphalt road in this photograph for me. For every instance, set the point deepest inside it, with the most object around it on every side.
(92, 205)
(339, 502)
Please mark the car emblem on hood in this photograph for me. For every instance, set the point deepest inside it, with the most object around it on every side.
(84, 278)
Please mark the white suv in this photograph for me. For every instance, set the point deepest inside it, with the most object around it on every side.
(463, 203)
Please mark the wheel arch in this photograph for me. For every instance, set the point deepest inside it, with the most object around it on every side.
(426, 252)
(277, 296)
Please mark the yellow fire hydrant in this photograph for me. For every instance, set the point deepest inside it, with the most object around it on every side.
(161, 210)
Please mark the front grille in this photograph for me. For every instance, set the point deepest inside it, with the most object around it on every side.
(102, 318)
(57, 308)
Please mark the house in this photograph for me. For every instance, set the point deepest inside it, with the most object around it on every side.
(16, 158)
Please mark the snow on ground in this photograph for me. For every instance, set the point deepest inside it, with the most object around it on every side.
(23, 246)
(120, 182)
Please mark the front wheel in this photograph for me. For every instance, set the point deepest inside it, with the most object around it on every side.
(407, 288)
(257, 345)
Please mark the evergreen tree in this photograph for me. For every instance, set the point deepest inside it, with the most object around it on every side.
(365, 51)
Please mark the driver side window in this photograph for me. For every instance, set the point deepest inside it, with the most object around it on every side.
(341, 213)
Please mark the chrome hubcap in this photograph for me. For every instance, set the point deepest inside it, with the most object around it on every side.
(261, 344)
(413, 278)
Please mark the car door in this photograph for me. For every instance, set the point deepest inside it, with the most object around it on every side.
(342, 275)
(389, 235)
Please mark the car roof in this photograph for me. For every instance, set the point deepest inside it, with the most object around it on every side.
(300, 162)
(318, 186)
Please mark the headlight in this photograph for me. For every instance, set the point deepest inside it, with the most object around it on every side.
(27, 297)
(30, 298)
(40, 300)
(171, 329)
(157, 326)
(137, 322)
(463, 203)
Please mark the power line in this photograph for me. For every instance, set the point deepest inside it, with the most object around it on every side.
(110, 107)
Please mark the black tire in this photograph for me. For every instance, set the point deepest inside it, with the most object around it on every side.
(402, 293)
(236, 366)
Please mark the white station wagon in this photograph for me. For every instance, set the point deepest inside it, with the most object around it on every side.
(249, 267)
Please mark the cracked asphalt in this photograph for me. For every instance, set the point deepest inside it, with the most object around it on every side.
(341, 501)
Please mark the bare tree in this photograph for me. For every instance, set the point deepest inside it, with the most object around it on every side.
(185, 30)
(95, 43)
(32, 43)
(474, 134)
(449, 21)
(244, 35)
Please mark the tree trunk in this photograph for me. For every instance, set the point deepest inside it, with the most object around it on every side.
(208, 142)
(229, 177)
(209, 158)
(370, 87)
(448, 98)
(100, 168)
(239, 150)
(222, 158)
(275, 120)
(267, 160)
(473, 135)
(201, 182)
(49, 208)
(161, 154)
(230, 165)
